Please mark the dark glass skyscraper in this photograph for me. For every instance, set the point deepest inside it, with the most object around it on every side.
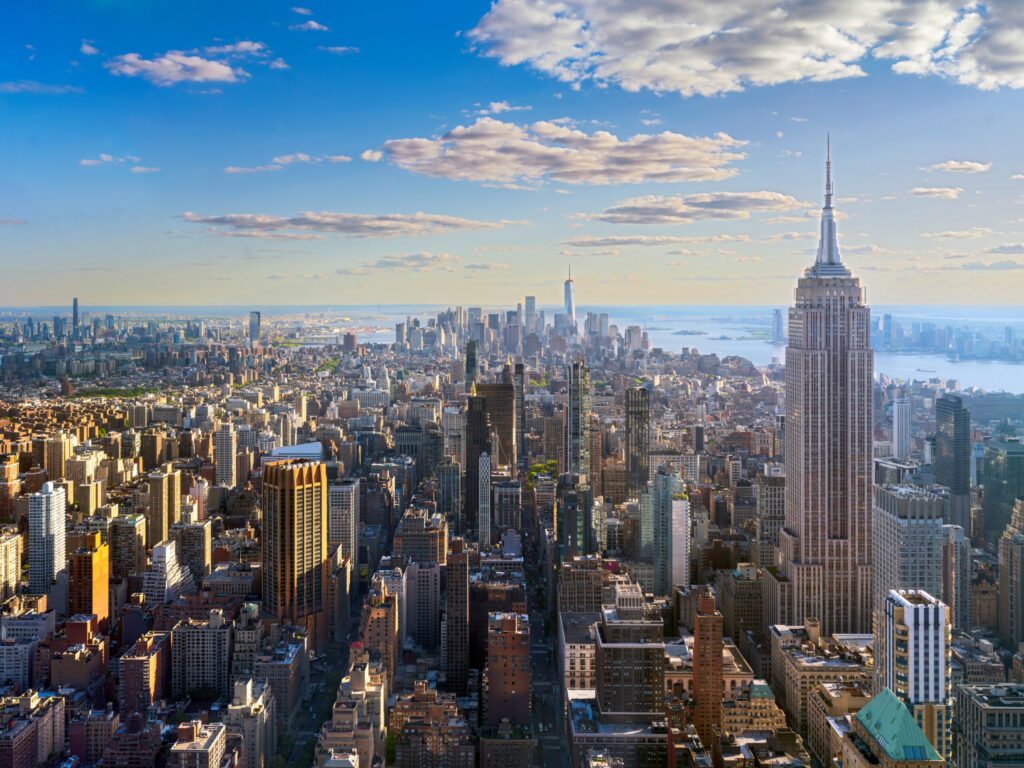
(953, 455)
(638, 438)
(577, 419)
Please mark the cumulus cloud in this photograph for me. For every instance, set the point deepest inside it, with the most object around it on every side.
(943, 193)
(501, 107)
(371, 155)
(175, 67)
(695, 47)
(960, 166)
(958, 234)
(108, 159)
(341, 224)
(309, 26)
(302, 11)
(684, 209)
(88, 49)
(338, 50)
(1008, 248)
(281, 161)
(650, 241)
(33, 86)
(499, 152)
(241, 49)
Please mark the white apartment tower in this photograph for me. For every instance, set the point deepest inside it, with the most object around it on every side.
(901, 428)
(343, 516)
(46, 531)
(826, 541)
(225, 448)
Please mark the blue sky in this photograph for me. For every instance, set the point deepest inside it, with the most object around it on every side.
(192, 153)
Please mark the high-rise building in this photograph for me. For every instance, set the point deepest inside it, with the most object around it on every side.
(638, 438)
(520, 381)
(708, 690)
(826, 543)
(577, 418)
(507, 682)
(956, 576)
(164, 503)
(58, 450)
(201, 655)
(901, 427)
(908, 538)
(225, 448)
(671, 527)
(500, 400)
(989, 725)
(127, 545)
(199, 745)
(250, 718)
(457, 616)
(195, 547)
(530, 313)
(575, 517)
(778, 327)
(630, 658)
(953, 455)
(1002, 475)
(254, 328)
(449, 492)
(477, 442)
(570, 302)
(166, 578)
(89, 582)
(484, 517)
(47, 563)
(75, 319)
(1011, 578)
(295, 545)
(913, 660)
(343, 516)
(472, 365)
(770, 492)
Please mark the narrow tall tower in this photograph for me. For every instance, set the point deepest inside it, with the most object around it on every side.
(577, 419)
(826, 542)
(570, 301)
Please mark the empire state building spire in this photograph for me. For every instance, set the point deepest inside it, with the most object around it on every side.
(828, 262)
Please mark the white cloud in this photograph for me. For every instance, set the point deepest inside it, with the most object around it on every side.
(175, 67)
(790, 236)
(371, 155)
(958, 234)
(143, 169)
(342, 224)
(492, 266)
(281, 161)
(241, 49)
(1018, 177)
(302, 11)
(279, 63)
(504, 153)
(960, 166)
(943, 193)
(1005, 264)
(501, 107)
(33, 86)
(107, 159)
(798, 119)
(695, 47)
(652, 241)
(1008, 248)
(88, 49)
(338, 49)
(309, 26)
(684, 209)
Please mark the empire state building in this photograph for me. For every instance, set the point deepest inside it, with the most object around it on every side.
(826, 543)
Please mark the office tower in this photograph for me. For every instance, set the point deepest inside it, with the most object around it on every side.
(75, 320)
(956, 576)
(826, 543)
(577, 418)
(199, 745)
(520, 380)
(47, 563)
(570, 303)
(671, 527)
(254, 328)
(295, 545)
(508, 504)
(501, 410)
(449, 492)
(164, 503)
(989, 725)
(422, 536)
(1011, 578)
(472, 366)
(483, 525)
(423, 609)
(166, 578)
(953, 455)
(778, 327)
(901, 427)
(770, 492)
(478, 441)
(225, 447)
(575, 518)
(638, 438)
(531, 314)
(908, 538)
(508, 680)
(708, 690)
(630, 659)
(457, 616)
(913, 660)
(343, 517)
(89, 580)
(1002, 475)
(127, 545)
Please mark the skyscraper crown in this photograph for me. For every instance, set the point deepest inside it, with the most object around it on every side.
(828, 262)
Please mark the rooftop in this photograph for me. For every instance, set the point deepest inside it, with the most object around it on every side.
(892, 726)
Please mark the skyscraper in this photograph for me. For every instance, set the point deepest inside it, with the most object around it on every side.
(778, 328)
(472, 366)
(953, 455)
(519, 379)
(343, 516)
(501, 410)
(901, 427)
(570, 302)
(89, 582)
(74, 317)
(913, 660)
(707, 667)
(1011, 578)
(484, 501)
(47, 563)
(577, 418)
(826, 543)
(477, 442)
(665, 509)
(507, 676)
(254, 328)
(225, 447)
(638, 438)
(457, 616)
(531, 314)
(295, 545)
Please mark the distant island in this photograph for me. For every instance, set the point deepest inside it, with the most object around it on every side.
(685, 332)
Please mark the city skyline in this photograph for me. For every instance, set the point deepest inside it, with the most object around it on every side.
(297, 156)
